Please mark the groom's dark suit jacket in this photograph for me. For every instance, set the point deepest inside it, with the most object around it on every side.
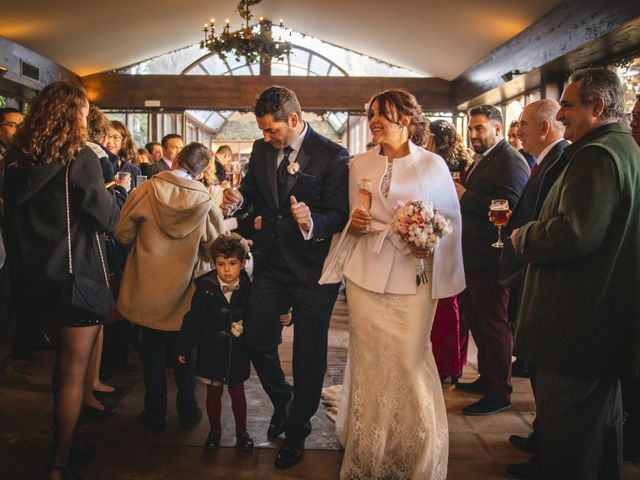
(321, 183)
(511, 270)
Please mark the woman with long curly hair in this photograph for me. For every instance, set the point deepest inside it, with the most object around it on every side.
(43, 242)
(121, 143)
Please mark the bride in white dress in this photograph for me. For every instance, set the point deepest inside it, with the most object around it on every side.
(391, 419)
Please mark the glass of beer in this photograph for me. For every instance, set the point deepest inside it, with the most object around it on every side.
(365, 195)
(499, 214)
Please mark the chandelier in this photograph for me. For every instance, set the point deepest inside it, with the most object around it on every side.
(253, 42)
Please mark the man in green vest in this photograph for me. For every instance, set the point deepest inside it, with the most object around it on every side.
(579, 320)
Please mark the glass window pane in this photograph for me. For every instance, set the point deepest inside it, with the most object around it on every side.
(139, 126)
(319, 66)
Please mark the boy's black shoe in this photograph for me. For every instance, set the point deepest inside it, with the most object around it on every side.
(243, 440)
(213, 440)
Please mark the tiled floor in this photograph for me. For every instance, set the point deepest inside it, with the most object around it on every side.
(478, 449)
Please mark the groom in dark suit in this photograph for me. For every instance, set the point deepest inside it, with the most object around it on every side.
(297, 181)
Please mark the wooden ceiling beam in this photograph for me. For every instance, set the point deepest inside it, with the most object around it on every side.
(203, 92)
(574, 34)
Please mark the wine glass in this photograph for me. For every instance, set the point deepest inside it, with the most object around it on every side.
(499, 214)
(365, 195)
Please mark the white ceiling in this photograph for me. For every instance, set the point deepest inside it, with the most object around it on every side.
(436, 38)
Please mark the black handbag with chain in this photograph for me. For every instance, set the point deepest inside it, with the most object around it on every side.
(82, 295)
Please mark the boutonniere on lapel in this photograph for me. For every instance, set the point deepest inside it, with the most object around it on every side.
(293, 168)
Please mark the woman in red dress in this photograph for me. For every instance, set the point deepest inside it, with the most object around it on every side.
(450, 333)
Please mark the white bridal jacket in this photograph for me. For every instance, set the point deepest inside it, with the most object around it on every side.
(380, 260)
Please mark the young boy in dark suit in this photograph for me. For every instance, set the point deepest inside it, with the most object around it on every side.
(215, 325)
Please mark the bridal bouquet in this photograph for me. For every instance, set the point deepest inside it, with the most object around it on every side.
(419, 223)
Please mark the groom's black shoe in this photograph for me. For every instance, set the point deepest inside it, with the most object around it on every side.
(276, 426)
(290, 454)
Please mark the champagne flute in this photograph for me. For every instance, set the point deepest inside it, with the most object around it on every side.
(236, 174)
(365, 195)
(235, 178)
(499, 214)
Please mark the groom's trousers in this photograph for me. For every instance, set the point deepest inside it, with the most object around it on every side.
(273, 291)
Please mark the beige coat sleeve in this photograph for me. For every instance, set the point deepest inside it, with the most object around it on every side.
(214, 227)
(131, 216)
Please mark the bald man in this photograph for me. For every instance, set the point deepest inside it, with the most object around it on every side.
(542, 137)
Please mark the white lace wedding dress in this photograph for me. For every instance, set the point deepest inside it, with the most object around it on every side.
(392, 420)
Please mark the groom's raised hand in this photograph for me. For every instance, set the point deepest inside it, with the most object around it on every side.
(301, 213)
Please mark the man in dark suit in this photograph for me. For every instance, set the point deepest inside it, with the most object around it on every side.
(223, 156)
(579, 323)
(499, 172)
(172, 145)
(541, 136)
(298, 181)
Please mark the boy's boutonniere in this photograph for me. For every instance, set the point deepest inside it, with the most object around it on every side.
(237, 328)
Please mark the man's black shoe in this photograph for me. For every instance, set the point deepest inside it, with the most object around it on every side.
(187, 422)
(527, 471)
(487, 405)
(290, 454)
(474, 387)
(524, 444)
(276, 426)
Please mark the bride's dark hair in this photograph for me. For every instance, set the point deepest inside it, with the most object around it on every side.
(394, 104)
